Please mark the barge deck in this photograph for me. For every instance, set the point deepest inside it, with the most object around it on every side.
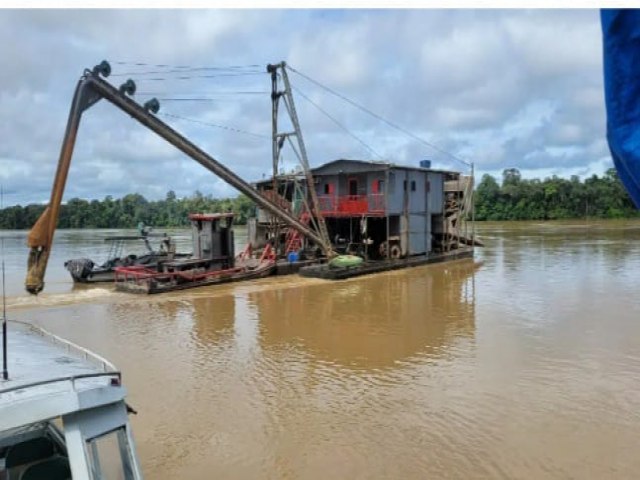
(329, 273)
(145, 281)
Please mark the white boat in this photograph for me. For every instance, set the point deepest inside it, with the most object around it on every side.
(62, 412)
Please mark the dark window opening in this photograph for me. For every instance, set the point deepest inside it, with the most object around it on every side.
(413, 185)
(404, 184)
(380, 186)
(327, 189)
(353, 187)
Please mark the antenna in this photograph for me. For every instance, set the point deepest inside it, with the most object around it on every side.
(5, 371)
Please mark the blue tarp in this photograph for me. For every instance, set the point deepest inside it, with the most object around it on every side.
(621, 48)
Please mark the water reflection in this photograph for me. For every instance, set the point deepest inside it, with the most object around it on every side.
(372, 322)
(213, 320)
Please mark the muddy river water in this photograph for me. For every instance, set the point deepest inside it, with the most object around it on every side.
(524, 363)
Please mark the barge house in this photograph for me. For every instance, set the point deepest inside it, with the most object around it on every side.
(378, 210)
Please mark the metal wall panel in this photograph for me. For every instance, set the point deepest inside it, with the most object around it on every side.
(436, 189)
(418, 230)
(417, 197)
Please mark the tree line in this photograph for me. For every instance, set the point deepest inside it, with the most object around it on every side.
(128, 211)
(514, 198)
(553, 198)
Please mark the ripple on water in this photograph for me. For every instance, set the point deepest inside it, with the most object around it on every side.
(523, 367)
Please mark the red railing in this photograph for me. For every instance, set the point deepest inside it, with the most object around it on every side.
(376, 203)
(347, 205)
(139, 274)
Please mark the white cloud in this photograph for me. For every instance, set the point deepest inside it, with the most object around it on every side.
(560, 45)
(502, 88)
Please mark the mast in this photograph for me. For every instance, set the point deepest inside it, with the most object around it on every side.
(276, 145)
(473, 206)
(5, 368)
(278, 140)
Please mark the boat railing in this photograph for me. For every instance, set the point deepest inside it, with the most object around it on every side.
(142, 275)
(115, 375)
(185, 270)
(377, 202)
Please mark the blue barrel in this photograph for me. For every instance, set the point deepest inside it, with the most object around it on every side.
(425, 163)
(292, 257)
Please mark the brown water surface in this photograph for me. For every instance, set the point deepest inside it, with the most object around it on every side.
(522, 364)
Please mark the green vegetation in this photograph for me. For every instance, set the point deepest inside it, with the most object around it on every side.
(128, 211)
(515, 199)
(552, 198)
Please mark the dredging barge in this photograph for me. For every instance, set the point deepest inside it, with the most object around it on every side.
(91, 88)
(390, 215)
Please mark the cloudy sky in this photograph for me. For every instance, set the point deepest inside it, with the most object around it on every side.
(500, 88)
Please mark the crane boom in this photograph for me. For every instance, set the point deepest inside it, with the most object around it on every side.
(89, 90)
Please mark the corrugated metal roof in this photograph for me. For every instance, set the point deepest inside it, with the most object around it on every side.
(379, 164)
(374, 164)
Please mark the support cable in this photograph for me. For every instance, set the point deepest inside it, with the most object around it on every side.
(214, 125)
(191, 77)
(334, 120)
(185, 70)
(200, 99)
(379, 117)
(206, 94)
(164, 65)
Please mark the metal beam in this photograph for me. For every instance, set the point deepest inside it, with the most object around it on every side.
(110, 93)
(40, 237)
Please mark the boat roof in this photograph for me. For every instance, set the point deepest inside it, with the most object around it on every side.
(49, 377)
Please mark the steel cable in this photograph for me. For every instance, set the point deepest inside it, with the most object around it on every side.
(379, 117)
(334, 120)
(214, 125)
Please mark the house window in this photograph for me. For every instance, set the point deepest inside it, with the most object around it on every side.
(353, 186)
(413, 185)
(327, 189)
(404, 185)
(380, 186)
(377, 186)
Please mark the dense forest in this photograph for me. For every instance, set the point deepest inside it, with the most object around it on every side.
(514, 198)
(128, 211)
(553, 198)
